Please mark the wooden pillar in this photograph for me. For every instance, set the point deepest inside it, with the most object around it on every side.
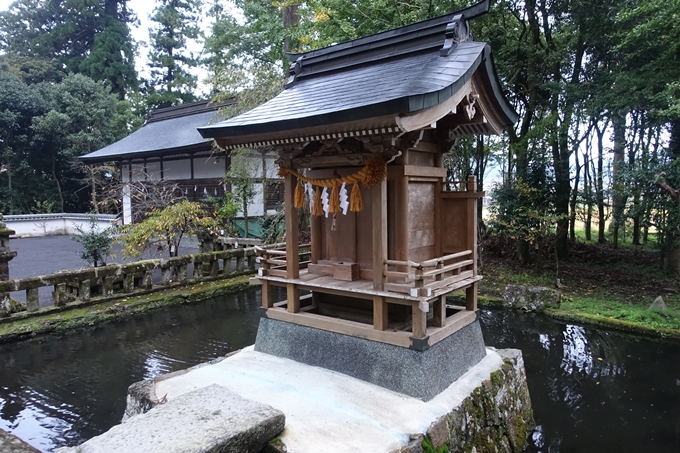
(472, 221)
(293, 298)
(317, 227)
(402, 217)
(438, 222)
(267, 295)
(379, 207)
(440, 311)
(379, 313)
(471, 297)
(419, 322)
(292, 249)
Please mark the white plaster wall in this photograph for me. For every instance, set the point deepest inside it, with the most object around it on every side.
(256, 207)
(153, 171)
(177, 169)
(125, 173)
(138, 172)
(53, 224)
(208, 167)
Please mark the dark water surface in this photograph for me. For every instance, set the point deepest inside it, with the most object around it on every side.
(592, 390)
(61, 391)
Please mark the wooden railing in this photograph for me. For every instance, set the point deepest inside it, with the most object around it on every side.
(421, 279)
(272, 260)
(116, 279)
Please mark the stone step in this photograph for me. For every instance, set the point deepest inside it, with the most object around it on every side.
(209, 419)
(10, 443)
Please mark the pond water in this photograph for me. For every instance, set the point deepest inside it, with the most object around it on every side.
(592, 390)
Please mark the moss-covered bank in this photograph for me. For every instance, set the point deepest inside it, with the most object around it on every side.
(496, 417)
(78, 316)
(609, 314)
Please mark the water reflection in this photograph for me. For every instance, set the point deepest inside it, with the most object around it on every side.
(63, 390)
(594, 390)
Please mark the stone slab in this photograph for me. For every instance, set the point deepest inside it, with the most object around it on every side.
(420, 374)
(531, 298)
(326, 411)
(209, 419)
(9, 443)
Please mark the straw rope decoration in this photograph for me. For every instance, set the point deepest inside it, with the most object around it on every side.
(373, 173)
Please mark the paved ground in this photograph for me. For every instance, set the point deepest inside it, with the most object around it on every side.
(47, 255)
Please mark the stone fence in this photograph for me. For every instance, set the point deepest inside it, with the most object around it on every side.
(115, 280)
(33, 225)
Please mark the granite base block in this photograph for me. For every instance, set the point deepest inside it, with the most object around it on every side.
(420, 374)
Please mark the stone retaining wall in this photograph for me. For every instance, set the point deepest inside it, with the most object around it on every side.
(496, 417)
(116, 280)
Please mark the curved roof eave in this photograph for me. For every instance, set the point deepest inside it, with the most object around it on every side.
(199, 147)
(492, 79)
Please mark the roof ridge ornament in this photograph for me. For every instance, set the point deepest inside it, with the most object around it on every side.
(457, 31)
(295, 69)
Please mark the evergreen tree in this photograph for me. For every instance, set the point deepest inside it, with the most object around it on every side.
(80, 36)
(176, 24)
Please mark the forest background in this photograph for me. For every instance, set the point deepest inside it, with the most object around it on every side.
(595, 153)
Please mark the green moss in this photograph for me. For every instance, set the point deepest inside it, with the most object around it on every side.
(429, 448)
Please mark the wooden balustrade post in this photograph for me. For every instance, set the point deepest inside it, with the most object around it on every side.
(251, 263)
(439, 318)
(418, 282)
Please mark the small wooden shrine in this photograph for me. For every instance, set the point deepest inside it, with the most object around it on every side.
(361, 130)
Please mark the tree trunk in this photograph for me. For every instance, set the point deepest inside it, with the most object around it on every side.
(600, 184)
(588, 192)
(618, 200)
(574, 199)
(245, 216)
(672, 254)
(523, 254)
(290, 20)
(94, 193)
(56, 181)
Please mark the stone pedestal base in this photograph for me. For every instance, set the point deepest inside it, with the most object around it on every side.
(420, 374)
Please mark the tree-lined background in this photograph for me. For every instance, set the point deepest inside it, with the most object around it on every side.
(595, 154)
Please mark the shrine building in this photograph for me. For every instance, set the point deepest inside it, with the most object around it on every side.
(361, 130)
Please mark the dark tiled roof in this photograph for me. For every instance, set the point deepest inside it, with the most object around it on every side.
(396, 72)
(166, 131)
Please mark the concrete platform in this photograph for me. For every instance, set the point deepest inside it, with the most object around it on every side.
(331, 412)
